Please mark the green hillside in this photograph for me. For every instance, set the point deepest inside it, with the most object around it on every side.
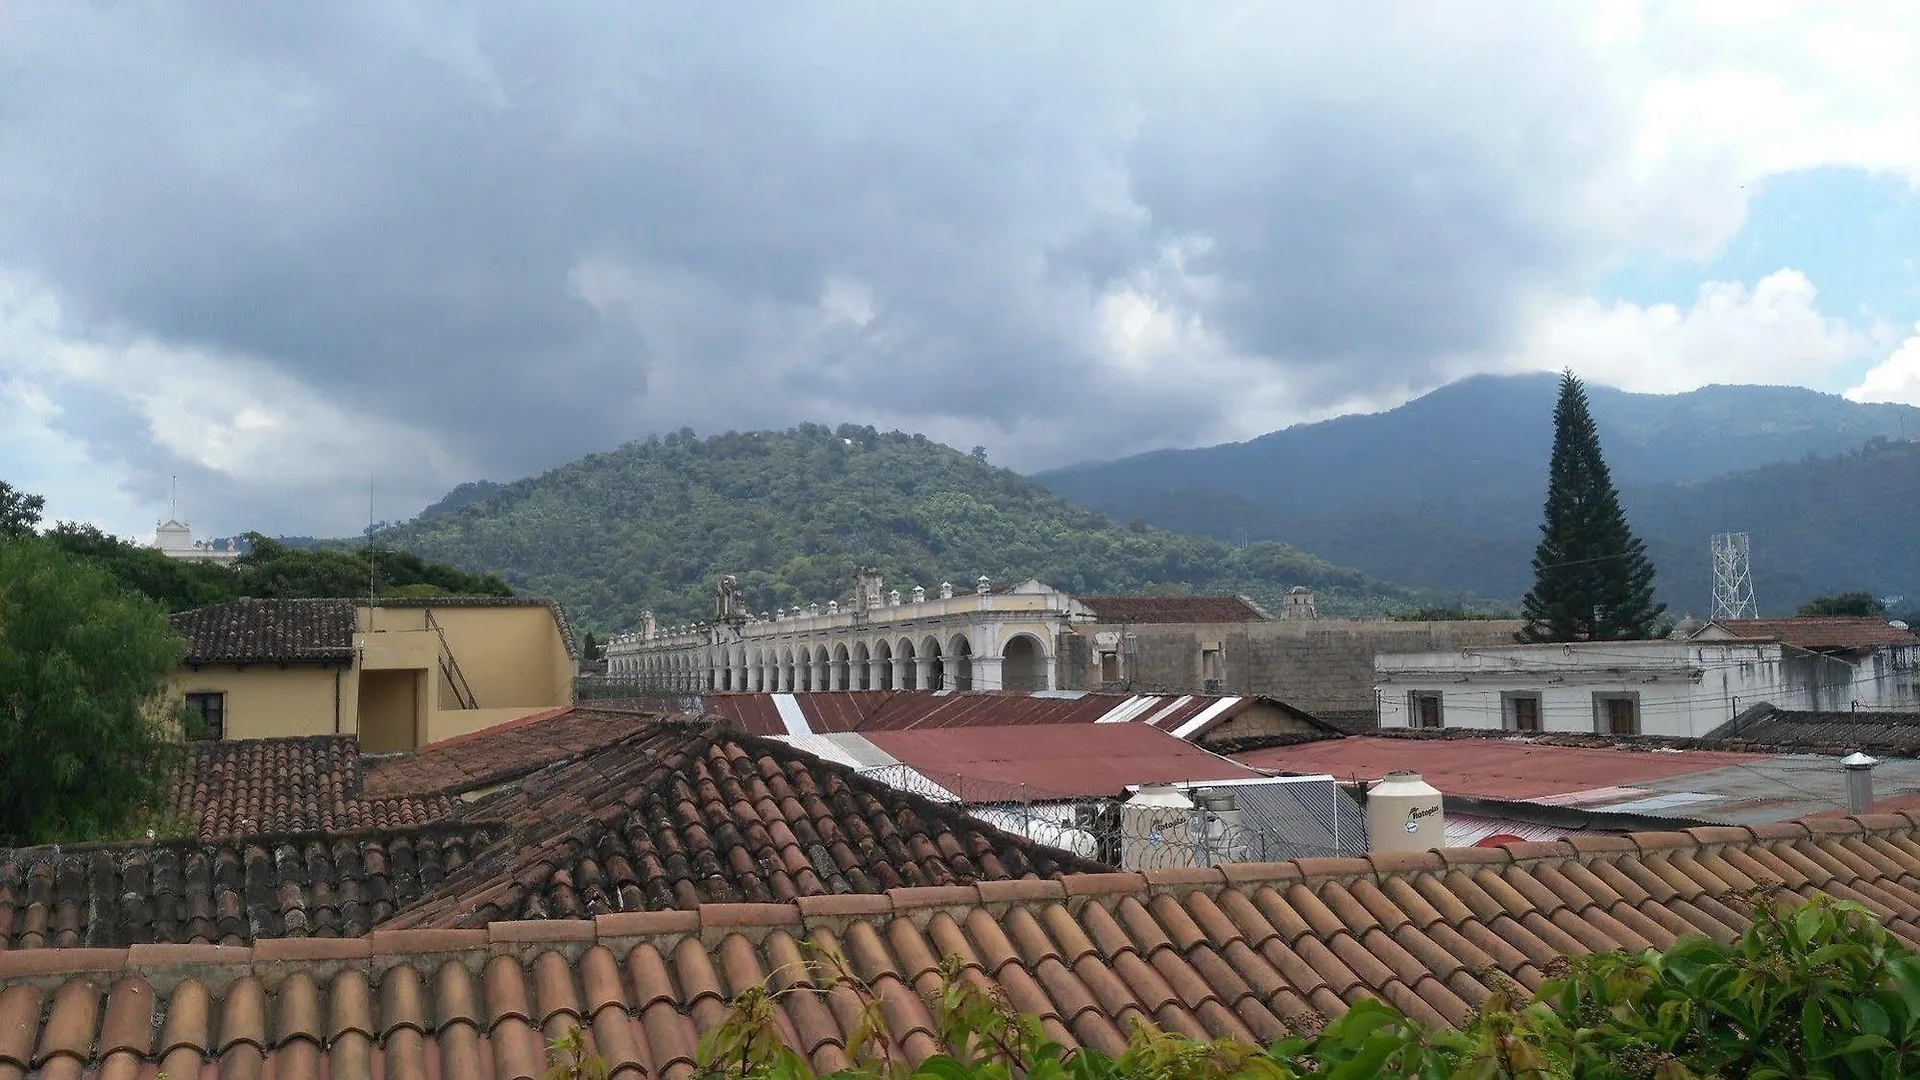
(792, 513)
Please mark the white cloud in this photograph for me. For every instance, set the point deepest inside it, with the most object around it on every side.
(1895, 379)
(232, 419)
(1772, 332)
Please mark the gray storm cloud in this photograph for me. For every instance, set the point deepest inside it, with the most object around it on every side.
(490, 239)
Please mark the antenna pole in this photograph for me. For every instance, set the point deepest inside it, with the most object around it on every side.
(173, 500)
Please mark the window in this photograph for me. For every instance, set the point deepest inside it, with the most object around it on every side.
(1423, 709)
(1109, 667)
(212, 711)
(1616, 714)
(1212, 670)
(1523, 712)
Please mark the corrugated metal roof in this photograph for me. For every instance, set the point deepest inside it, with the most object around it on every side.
(1052, 760)
(1820, 632)
(1491, 768)
(1188, 715)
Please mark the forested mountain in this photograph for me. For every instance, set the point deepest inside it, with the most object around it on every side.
(792, 513)
(1445, 491)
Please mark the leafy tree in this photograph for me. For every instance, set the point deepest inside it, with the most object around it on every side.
(1860, 603)
(590, 648)
(86, 748)
(1592, 580)
(19, 512)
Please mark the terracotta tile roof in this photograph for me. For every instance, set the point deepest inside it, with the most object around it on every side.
(677, 815)
(1173, 609)
(501, 753)
(246, 787)
(234, 893)
(1824, 632)
(268, 631)
(1253, 951)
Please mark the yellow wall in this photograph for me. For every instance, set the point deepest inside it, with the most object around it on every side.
(513, 658)
(512, 655)
(392, 703)
(267, 701)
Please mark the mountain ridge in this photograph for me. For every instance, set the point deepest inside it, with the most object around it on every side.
(1467, 463)
(791, 513)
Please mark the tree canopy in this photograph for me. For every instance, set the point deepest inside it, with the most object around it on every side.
(792, 513)
(19, 512)
(86, 743)
(1592, 580)
(1861, 603)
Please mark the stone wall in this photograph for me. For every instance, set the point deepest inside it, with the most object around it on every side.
(1324, 666)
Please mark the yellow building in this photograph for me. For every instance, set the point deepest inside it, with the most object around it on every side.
(398, 673)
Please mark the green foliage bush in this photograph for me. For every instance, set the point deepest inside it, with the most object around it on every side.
(1820, 990)
(792, 513)
(87, 745)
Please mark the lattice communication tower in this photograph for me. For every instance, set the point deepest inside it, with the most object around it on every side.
(1732, 578)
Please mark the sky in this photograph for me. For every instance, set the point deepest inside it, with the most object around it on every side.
(327, 261)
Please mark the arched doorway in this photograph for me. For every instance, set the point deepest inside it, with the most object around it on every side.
(960, 659)
(883, 666)
(904, 663)
(933, 668)
(821, 668)
(1023, 664)
(862, 667)
(841, 664)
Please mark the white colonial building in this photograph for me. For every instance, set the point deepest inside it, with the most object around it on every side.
(980, 639)
(1681, 687)
(175, 540)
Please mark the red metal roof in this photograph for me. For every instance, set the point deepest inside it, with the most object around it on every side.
(906, 710)
(1040, 760)
(1490, 768)
(1824, 632)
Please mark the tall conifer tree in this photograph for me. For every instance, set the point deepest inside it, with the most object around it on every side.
(1591, 577)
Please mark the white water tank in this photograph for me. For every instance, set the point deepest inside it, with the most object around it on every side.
(1405, 813)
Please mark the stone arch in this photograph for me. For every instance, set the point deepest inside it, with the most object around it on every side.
(906, 666)
(756, 669)
(933, 666)
(1023, 663)
(786, 670)
(882, 665)
(862, 673)
(840, 678)
(822, 668)
(960, 662)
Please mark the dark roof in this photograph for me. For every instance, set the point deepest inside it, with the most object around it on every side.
(1254, 951)
(268, 631)
(1831, 732)
(676, 815)
(246, 787)
(1173, 609)
(1823, 632)
(234, 893)
(503, 752)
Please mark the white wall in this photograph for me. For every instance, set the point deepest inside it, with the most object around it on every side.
(1683, 688)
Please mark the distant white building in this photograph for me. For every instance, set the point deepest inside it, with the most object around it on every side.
(175, 539)
(1686, 687)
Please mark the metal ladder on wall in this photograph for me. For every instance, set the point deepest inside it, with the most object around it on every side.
(450, 668)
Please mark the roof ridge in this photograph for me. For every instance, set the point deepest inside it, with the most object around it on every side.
(711, 923)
